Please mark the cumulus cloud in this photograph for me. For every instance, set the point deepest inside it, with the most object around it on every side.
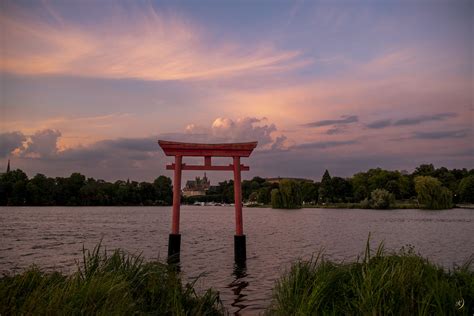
(10, 142)
(42, 144)
(239, 130)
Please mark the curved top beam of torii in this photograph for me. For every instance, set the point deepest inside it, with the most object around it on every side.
(215, 150)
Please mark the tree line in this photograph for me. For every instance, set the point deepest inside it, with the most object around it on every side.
(427, 187)
(377, 188)
(77, 190)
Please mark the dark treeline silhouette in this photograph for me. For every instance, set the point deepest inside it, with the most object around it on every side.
(76, 190)
(456, 185)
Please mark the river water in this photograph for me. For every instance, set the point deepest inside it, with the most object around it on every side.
(53, 237)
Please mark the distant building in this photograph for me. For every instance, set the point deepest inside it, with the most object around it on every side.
(197, 187)
(279, 179)
(8, 167)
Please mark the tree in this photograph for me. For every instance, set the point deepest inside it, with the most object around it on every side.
(13, 187)
(147, 193)
(393, 186)
(325, 189)
(360, 186)
(90, 193)
(72, 187)
(381, 199)
(424, 170)
(309, 192)
(164, 190)
(466, 189)
(431, 194)
(253, 196)
(276, 199)
(264, 195)
(447, 178)
(40, 190)
(406, 186)
(287, 196)
(341, 190)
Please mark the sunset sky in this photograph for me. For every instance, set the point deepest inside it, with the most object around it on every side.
(338, 85)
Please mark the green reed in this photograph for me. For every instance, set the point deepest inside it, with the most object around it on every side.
(401, 283)
(105, 284)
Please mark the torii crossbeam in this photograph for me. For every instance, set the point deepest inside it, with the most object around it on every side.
(180, 150)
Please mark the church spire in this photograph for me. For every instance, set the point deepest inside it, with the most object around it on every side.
(8, 166)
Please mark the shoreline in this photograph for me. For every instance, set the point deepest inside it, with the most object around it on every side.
(307, 206)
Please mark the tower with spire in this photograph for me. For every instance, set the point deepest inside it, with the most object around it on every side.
(8, 166)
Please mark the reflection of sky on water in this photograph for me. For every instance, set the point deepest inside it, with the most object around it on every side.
(53, 239)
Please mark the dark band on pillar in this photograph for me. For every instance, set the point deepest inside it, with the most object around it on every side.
(240, 252)
(174, 248)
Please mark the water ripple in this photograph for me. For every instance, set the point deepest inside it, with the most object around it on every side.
(53, 237)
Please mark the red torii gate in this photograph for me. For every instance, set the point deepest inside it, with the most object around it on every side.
(180, 150)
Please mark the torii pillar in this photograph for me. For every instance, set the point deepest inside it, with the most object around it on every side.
(180, 150)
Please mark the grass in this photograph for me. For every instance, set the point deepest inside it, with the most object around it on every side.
(401, 283)
(116, 284)
(380, 283)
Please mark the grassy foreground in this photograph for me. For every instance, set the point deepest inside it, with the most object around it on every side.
(402, 283)
(117, 284)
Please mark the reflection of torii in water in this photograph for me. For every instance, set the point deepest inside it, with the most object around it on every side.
(180, 150)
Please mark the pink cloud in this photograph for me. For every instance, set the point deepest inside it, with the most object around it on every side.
(139, 43)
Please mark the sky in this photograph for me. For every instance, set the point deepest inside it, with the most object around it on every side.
(340, 85)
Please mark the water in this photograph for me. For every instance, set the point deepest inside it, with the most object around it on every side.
(52, 237)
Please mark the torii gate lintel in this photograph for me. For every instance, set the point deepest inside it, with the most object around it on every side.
(180, 150)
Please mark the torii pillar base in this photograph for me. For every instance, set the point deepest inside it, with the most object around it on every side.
(174, 247)
(240, 249)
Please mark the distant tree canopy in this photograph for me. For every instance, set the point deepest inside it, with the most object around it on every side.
(288, 195)
(431, 194)
(76, 190)
(325, 192)
(466, 189)
(381, 199)
(453, 186)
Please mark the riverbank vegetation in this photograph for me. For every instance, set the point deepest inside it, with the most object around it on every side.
(454, 186)
(380, 283)
(116, 284)
(401, 283)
